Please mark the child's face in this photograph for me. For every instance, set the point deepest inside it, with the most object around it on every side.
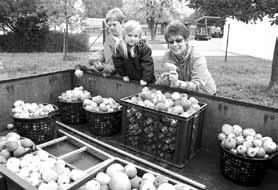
(114, 27)
(177, 44)
(132, 37)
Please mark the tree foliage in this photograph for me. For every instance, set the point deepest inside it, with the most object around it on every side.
(24, 24)
(99, 8)
(243, 10)
(12, 11)
(153, 12)
(65, 12)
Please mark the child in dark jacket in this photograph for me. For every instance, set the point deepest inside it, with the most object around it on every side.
(133, 59)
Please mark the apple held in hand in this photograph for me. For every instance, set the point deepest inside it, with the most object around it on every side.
(78, 73)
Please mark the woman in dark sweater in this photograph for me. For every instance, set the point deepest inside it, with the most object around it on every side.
(133, 59)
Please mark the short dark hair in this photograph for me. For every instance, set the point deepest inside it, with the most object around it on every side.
(176, 27)
(116, 14)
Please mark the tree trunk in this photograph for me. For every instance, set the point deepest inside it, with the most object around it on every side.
(162, 29)
(274, 69)
(65, 42)
(151, 28)
(155, 29)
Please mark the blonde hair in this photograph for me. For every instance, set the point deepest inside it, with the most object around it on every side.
(129, 26)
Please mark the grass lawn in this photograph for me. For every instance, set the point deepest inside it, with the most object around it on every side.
(241, 77)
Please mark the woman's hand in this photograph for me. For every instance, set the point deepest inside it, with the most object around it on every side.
(143, 83)
(78, 73)
(174, 82)
(126, 79)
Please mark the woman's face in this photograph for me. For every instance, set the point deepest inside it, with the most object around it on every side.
(177, 44)
(132, 37)
(114, 27)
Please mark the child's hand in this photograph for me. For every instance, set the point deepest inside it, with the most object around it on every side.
(126, 79)
(78, 73)
(108, 69)
(143, 83)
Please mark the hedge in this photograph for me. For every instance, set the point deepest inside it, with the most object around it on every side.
(48, 42)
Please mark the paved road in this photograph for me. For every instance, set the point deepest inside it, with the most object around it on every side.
(213, 47)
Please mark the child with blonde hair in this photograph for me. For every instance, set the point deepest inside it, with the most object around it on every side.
(133, 58)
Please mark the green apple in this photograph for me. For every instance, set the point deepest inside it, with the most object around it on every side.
(230, 143)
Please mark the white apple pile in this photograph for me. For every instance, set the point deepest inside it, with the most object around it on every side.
(246, 142)
(12, 145)
(119, 177)
(77, 94)
(31, 110)
(100, 104)
(175, 103)
(43, 171)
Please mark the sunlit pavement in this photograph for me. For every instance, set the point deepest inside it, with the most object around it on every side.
(213, 47)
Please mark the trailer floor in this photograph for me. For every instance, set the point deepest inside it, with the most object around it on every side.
(203, 168)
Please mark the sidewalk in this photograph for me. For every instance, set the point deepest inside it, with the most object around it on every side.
(213, 47)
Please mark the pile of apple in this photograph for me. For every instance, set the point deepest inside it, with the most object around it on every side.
(43, 171)
(119, 177)
(100, 104)
(246, 142)
(175, 103)
(31, 110)
(12, 145)
(77, 94)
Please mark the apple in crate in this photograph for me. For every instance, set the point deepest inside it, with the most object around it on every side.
(114, 168)
(119, 180)
(78, 93)
(100, 104)
(248, 142)
(229, 143)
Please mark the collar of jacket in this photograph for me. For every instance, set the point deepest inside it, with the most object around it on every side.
(181, 60)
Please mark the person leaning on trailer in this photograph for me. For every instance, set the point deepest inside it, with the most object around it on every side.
(183, 67)
(102, 61)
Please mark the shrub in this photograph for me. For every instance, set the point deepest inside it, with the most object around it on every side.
(76, 42)
(52, 42)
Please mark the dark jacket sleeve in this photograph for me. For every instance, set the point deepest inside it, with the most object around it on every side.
(119, 63)
(146, 62)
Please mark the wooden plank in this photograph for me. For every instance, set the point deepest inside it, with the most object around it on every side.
(150, 171)
(72, 153)
(90, 151)
(90, 173)
(15, 178)
(55, 141)
(168, 172)
(86, 144)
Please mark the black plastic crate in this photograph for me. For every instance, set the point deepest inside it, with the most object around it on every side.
(243, 170)
(161, 135)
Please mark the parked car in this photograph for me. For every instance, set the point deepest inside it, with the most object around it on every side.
(216, 32)
(202, 33)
